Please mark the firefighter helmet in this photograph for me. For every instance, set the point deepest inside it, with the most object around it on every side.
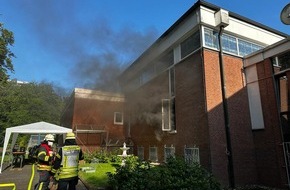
(49, 137)
(70, 135)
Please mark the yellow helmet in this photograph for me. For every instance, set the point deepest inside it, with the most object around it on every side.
(70, 135)
(49, 137)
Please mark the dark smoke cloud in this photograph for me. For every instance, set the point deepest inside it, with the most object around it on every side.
(95, 52)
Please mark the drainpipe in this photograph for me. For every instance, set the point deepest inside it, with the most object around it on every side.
(226, 115)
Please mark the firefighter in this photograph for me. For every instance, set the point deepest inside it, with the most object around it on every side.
(65, 168)
(44, 162)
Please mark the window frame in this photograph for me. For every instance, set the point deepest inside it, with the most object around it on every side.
(213, 36)
(195, 155)
(116, 117)
(170, 154)
(153, 154)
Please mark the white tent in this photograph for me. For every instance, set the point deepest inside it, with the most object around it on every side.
(33, 128)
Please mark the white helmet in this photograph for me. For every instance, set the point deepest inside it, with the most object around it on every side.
(49, 137)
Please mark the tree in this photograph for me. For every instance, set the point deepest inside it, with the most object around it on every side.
(6, 55)
(28, 103)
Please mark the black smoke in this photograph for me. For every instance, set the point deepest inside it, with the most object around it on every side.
(94, 51)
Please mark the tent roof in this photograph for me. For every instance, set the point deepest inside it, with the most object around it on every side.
(33, 128)
(39, 128)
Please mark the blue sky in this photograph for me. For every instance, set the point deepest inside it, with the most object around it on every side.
(82, 43)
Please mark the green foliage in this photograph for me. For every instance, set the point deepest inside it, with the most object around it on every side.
(6, 40)
(96, 157)
(28, 103)
(102, 157)
(99, 178)
(175, 174)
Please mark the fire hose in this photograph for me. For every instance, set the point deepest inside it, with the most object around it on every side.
(9, 185)
(31, 178)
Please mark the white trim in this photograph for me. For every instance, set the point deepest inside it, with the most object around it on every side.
(115, 118)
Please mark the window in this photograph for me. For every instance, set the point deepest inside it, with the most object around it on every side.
(166, 115)
(210, 38)
(231, 44)
(246, 48)
(153, 154)
(169, 152)
(189, 45)
(118, 118)
(140, 153)
(191, 155)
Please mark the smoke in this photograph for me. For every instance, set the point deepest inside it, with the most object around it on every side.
(91, 48)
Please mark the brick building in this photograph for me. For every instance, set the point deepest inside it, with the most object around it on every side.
(267, 74)
(96, 118)
(187, 97)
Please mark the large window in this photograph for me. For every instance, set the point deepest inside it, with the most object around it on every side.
(191, 44)
(230, 44)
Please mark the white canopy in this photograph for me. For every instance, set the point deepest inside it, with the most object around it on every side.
(33, 128)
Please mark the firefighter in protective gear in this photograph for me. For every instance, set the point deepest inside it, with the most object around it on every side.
(44, 162)
(66, 165)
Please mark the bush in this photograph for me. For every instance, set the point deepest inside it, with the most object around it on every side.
(175, 174)
(97, 157)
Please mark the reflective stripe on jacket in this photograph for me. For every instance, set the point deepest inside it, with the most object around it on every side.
(44, 157)
(69, 162)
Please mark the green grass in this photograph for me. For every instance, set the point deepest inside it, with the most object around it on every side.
(99, 178)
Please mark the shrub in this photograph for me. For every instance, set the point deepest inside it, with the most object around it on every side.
(97, 157)
(175, 174)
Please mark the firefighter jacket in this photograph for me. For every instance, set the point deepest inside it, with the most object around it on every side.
(44, 157)
(67, 162)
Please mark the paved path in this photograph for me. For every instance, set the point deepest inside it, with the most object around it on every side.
(24, 178)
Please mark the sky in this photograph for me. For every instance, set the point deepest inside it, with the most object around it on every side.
(86, 43)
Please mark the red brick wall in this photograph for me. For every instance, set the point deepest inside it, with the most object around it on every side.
(100, 115)
(200, 119)
(268, 141)
(191, 120)
(239, 119)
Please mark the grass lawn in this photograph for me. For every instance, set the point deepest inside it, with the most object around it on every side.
(99, 178)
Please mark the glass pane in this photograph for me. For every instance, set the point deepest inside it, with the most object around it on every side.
(229, 44)
(246, 48)
(210, 39)
(190, 44)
